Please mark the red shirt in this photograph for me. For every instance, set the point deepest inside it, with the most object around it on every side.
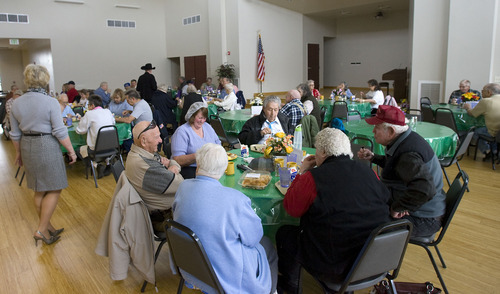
(300, 195)
(72, 93)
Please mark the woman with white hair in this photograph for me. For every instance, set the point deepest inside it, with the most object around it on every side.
(232, 235)
(230, 100)
(189, 137)
(339, 202)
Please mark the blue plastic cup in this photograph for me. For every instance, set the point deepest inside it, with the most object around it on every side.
(292, 157)
(285, 177)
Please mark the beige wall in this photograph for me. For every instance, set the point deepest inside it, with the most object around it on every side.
(10, 71)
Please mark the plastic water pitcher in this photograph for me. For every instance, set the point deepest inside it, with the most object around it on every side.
(297, 143)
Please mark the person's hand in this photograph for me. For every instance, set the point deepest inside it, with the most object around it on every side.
(399, 214)
(174, 169)
(72, 157)
(265, 131)
(365, 154)
(453, 100)
(308, 163)
(165, 161)
(466, 106)
(19, 159)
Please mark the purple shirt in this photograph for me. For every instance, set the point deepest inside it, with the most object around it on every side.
(185, 141)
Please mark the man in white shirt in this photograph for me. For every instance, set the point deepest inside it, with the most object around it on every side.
(90, 124)
(270, 121)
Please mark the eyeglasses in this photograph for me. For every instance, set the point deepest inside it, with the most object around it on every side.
(151, 126)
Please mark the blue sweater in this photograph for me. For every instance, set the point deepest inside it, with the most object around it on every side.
(230, 232)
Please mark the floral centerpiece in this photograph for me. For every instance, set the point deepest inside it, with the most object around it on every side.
(278, 145)
(469, 96)
(257, 100)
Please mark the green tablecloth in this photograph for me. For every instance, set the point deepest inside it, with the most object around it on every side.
(463, 120)
(443, 140)
(212, 109)
(364, 108)
(77, 140)
(267, 203)
(233, 121)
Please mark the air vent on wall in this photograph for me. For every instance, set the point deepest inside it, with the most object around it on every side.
(191, 20)
(121, 23)
(431, 89)
(14, 18)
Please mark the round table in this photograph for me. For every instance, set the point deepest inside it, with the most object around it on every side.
(364, 108)
(233, 121)
(442, 140)
(463, 120)
(267, 203)
(77, 140)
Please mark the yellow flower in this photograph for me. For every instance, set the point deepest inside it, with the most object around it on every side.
(268, 151)
(280, 135)
(289, 149)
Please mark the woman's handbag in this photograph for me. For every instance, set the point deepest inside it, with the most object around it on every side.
(406, 288)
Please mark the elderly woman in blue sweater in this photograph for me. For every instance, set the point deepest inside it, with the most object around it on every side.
(232, 235)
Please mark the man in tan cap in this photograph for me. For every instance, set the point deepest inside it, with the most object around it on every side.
(411, 171)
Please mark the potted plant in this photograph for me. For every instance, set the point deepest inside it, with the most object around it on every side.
(226, 71)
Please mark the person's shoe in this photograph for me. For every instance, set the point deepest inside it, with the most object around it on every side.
(48, 241)
(487, 156)
(56, 232)
(100, 171)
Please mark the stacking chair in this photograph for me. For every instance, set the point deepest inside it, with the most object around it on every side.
(339, 110)
(189, 257)
(445, 117)
(361, 143)
(322, 115)
(162, 238)
(106, 147)
(425, 100)
(353, 115)
(78, 110)
(117, 168)
(216, 124)
(414, 113)
(490, 140)
(453, 197)
(383, 252)
(462, 148)
(427, 113)
(22, 177)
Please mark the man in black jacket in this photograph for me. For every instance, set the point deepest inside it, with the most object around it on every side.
(270, 121)
(146, 85)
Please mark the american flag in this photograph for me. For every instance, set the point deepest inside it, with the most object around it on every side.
(261, 68)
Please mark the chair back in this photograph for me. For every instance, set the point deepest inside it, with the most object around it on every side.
(444, 117)
(414, 113)
(453, 198)
(117, 168)
(221, 133)
(353, 115)
(427, 113)
(78, 110)
(464, 144)
(322, 115)
(107, 141)
(339, 110)
(425, 100)
(383, 252)
(189, 256)
(356, 144)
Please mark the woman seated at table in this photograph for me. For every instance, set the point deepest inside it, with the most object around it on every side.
(189, 137)
(230, 100)
(375, 96)
(342, 89)
(314, 91)
(310, 102)
(84, 98)
(118, 105)
(66, 110)
(188, 100)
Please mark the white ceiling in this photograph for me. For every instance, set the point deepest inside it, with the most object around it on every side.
(341, 8)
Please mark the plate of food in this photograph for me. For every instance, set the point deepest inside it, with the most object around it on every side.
(258, 148)
(231, 156)
(255, 179)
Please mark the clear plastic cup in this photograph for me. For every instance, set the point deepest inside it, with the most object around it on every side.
(285, 177)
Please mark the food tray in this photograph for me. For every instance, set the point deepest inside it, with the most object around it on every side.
(281, 189)
(256, 179)
(231, 156)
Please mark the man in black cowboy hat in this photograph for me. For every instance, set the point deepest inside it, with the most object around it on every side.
(146, 85)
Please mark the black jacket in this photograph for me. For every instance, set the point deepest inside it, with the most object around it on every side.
(165, 104)
(250, 133)
(146, 85)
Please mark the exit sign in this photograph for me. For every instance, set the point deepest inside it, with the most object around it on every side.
(14, 41)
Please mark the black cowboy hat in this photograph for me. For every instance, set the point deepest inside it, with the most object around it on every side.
(148, 66)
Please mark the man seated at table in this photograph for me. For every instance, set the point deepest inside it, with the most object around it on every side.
(232, 235)
(154, 177)
(141, 111)
(269, 122)
(293, 109)
(339, 203)
(90, 124)
(411, 171)
(456, 96)
(490, 108)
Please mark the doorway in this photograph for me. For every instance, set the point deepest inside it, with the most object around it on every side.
(313, 64)
(196, 67)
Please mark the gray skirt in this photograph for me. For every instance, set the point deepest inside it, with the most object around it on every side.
(43, 163)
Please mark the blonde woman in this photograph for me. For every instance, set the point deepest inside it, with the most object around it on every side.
(118, 105)
(37, 131)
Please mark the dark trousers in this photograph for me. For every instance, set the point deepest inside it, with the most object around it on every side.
(423, 226)
(289, 266)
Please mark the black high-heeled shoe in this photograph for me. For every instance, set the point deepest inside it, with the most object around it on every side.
(56, 232)
(49, 241)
